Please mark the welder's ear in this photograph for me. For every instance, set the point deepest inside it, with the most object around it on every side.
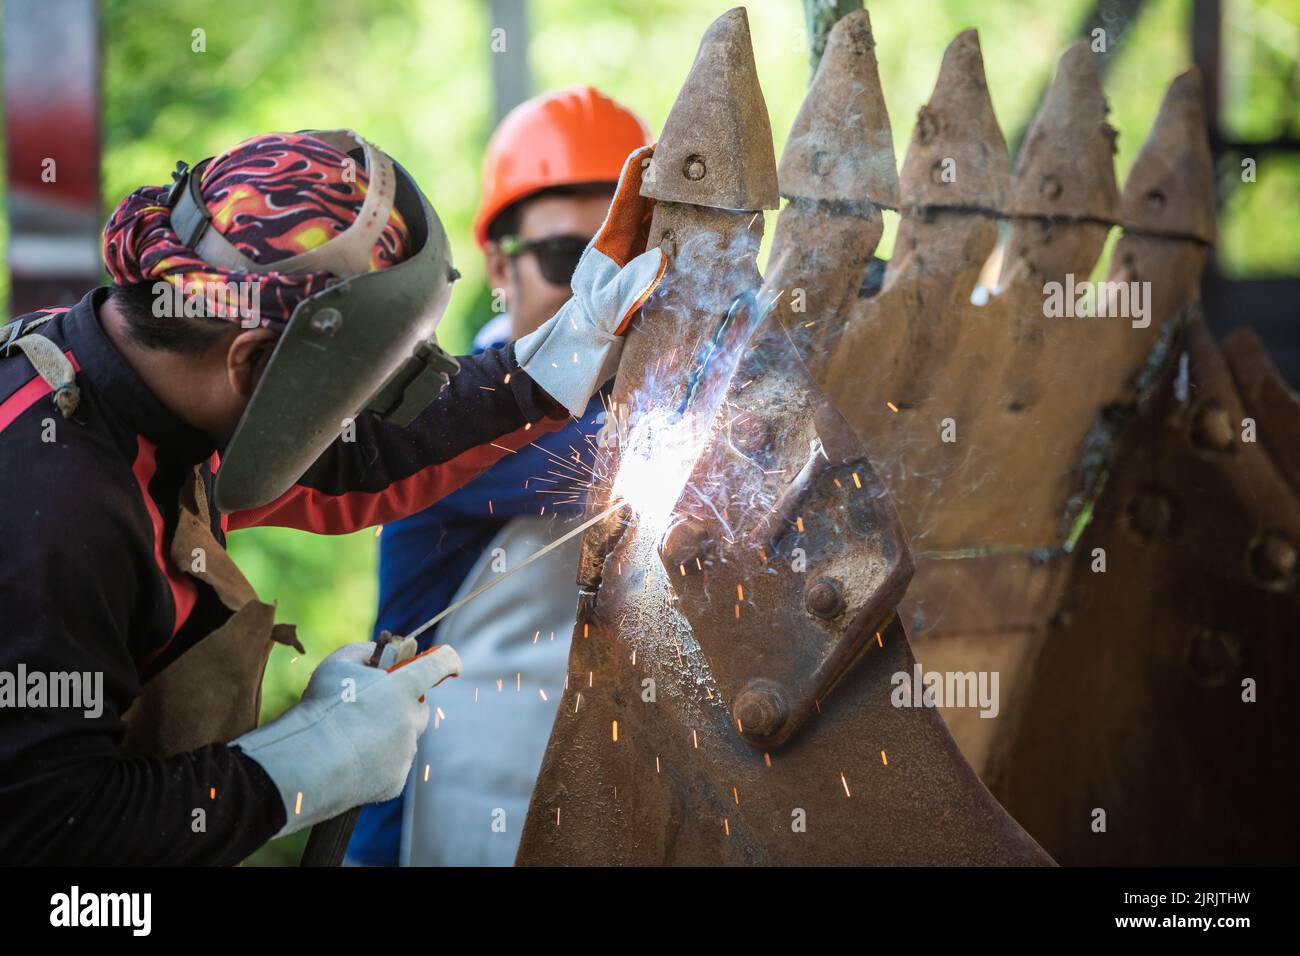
(498, 265)
(246, 359)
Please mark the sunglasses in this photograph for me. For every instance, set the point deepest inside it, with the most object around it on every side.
(557, 256)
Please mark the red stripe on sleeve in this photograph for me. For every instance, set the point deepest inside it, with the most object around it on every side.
(310, 510)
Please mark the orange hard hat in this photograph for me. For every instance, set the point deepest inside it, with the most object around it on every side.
(570, 136)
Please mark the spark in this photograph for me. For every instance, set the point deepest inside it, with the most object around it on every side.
(656, 763)
(543, 693)
(577, 703)
(656, 464)
(892, 407)
(878, 639)
(740, 592)
(297, 806)
(506, 380)
(883, 759)
(767, 759)
(856, 480)
(616, 731)
(557, 816)
(212, 793)
(736, 793)
(519, 680)
(846, 784)
(695, 736)
(726, 825)
(379, 529)
(426, 773)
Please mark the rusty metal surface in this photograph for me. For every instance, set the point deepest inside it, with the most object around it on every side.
(716, 145)
(746, 714)
(837, 171)
(730, 684)
(1136, 702)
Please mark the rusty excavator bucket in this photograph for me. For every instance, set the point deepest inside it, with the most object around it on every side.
(735, 671)
(985, 458)
(1004, 424)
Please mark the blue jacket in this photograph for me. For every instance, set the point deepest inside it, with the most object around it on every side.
(424, 558)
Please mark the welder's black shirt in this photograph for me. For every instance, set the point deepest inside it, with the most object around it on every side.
(88, 506)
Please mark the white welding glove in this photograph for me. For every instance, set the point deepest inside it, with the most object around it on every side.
(576, 351)
(351, 738)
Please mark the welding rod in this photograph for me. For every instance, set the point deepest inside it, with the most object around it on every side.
(519, 567)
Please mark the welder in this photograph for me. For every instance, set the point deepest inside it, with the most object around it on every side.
(300, 385)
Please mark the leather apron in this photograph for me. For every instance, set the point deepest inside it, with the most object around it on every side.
(213, 692)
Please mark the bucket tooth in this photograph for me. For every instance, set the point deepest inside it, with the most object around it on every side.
(716, 145)
(1170, 190)
(708, 228)
(957, 157)
(840, 148)
(837, 168)
(1063, 195)
(1066, 167)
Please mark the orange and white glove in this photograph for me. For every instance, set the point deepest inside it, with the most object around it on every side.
(576, 351)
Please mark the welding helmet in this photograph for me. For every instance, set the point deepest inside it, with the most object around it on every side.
(366, 342)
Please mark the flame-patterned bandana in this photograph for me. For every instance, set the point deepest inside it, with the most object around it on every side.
(272, 197)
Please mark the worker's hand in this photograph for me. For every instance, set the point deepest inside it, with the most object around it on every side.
(576, 351)
(351, 739)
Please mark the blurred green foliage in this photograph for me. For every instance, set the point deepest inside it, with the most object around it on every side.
(416, 78)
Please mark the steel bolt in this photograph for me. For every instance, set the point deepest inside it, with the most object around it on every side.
(823, 597)
(760, 711)
(686, 542)
(1212, 428)
(1273, 560)
(326, 321)
(1151, 513)
(694, 168)
(1213, 657)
